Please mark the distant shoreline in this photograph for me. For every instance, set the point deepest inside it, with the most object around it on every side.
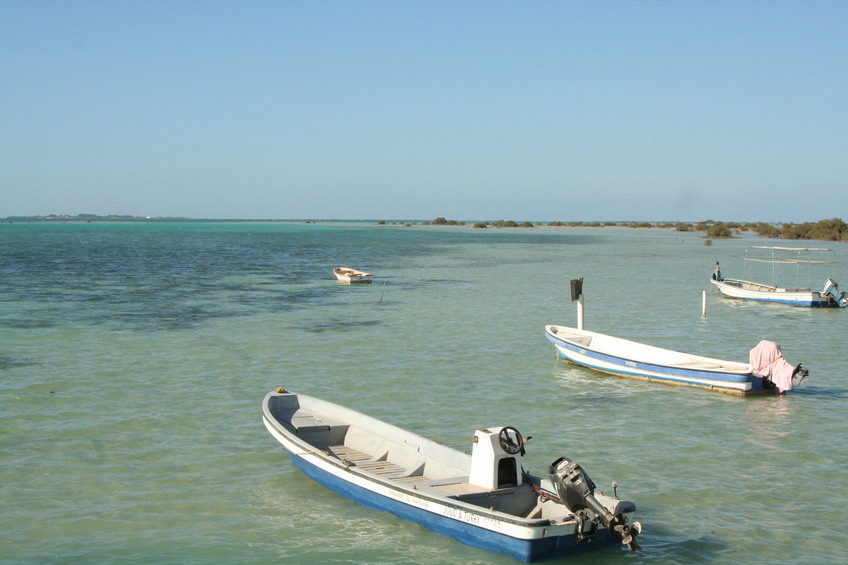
(825, 230)
(437, 221)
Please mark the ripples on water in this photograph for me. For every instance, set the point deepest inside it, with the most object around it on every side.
(135, 356)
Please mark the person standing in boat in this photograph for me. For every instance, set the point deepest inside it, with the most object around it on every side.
(717, 273)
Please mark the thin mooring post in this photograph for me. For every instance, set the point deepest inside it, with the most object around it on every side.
(704, 304)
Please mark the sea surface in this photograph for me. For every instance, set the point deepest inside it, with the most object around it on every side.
(134, 358)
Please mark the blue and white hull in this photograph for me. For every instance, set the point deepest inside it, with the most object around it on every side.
(459, 506)
(470, 527)
(636, 360)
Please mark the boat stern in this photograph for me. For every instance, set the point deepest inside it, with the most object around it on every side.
(767, 362)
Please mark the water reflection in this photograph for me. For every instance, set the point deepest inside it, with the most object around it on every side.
(769, 420)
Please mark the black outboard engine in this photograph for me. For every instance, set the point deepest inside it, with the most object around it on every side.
(577, 491)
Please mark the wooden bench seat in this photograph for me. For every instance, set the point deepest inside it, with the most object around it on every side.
(377, 465)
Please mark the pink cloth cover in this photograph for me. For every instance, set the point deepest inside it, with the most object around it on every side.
(769, 363)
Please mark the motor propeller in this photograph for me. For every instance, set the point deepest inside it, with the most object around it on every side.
(577, 492)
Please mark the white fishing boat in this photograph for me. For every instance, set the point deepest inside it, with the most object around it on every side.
(797, 295)
(765, 371)
(348, 275)
(484, 499)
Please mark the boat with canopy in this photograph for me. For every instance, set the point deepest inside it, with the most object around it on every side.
(801, 260)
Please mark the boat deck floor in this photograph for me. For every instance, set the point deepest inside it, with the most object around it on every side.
(455, 486)
(375, 465)
(517, 500)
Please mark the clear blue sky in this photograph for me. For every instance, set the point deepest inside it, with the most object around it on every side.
(610, 110)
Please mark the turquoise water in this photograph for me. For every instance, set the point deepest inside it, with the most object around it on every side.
(134, 358)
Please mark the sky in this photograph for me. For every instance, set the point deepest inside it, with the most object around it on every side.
(615, 110)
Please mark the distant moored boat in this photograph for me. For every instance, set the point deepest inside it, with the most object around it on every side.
(828, 296)
(348, 275)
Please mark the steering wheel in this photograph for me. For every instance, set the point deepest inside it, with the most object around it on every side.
(510, 440)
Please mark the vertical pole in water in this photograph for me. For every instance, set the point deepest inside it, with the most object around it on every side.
(577, 294)
(704, 304)
(383, 291)
(580, 313)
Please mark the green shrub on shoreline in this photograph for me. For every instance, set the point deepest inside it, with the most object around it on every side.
(826, 230)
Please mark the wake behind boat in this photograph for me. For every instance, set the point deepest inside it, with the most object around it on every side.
(348, 275)
(484, 499)
(828, 296)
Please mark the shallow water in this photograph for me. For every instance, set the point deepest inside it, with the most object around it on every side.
(134, 358)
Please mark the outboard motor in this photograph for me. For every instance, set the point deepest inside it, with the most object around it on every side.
(767, 361)
(577, 492)
(799, 375)
(830, 289)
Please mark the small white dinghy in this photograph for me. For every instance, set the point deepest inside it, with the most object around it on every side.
(348, 275)
(484, 499)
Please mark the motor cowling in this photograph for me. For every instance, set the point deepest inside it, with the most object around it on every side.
(831, 290)
(577, 491)
(574, 487)
(800, 374)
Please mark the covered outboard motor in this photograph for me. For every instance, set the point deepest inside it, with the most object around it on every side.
(577, 491)
(831, 290)
(767, 362)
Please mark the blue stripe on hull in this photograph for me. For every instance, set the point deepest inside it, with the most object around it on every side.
(811, 304)
(671, 374)
(772, 298)
(524, 550)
